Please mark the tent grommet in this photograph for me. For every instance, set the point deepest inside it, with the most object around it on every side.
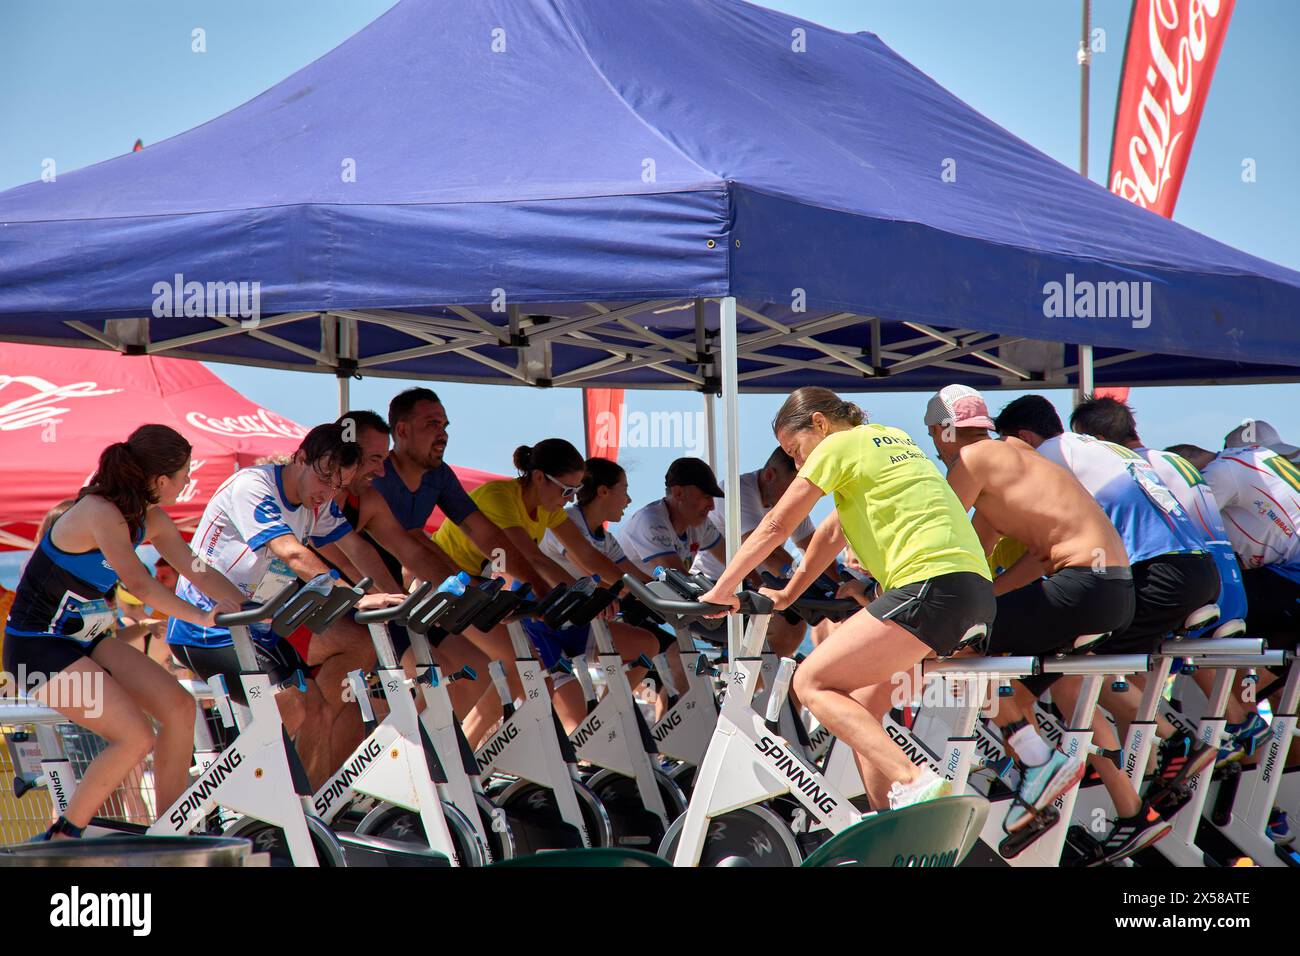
(737, 243)
(710, 243)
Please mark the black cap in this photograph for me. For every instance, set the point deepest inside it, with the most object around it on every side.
(693, 471)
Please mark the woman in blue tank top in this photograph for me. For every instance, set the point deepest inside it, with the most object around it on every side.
(57, 642)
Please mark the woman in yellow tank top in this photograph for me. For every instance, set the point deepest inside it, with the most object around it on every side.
(525, 508)
(911, 533)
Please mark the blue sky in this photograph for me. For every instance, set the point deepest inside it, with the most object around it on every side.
(81, 80)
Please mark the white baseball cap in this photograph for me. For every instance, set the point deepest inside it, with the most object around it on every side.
(1260, 432)
(958, 405)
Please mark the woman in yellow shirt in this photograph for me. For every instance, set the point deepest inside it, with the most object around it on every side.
(525, 508)
(912, 535)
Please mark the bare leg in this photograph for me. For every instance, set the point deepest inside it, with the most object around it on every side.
(1236, 712)
(862, 652)
(159, 695)
(1065, 692)
(91, 698)
(631, 643)
(785, 637)
(337, 728)
(877, 700)
(570, 705)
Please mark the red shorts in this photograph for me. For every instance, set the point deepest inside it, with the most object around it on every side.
(300, 641)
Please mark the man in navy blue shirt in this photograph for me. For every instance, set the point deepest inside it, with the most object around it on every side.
(415, 480)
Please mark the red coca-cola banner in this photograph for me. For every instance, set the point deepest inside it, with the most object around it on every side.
(1169, 60)
(602, 408)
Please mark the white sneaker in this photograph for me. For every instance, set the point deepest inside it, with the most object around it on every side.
(928, 786)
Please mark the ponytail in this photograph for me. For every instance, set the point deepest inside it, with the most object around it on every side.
(523, 459)
(126, 468)
(797, 412)
(551, 456)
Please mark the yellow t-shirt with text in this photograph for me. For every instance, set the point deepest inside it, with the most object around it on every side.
(502, 502)
(898, 513)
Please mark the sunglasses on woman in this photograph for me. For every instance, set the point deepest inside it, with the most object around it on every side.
(568, 491)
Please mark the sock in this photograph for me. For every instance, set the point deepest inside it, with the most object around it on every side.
(1032, 748)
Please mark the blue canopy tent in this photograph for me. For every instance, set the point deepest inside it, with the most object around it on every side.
(580, 192)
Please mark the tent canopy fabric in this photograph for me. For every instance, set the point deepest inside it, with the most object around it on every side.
(59, 409)
(551, 191)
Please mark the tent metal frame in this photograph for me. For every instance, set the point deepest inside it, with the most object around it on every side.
(607, 328)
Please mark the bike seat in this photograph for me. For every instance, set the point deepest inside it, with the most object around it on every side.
(976, 635)
(1202, 617)
(1230, 628)
(1085, 642)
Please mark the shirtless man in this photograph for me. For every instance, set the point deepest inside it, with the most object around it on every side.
(1073, 579)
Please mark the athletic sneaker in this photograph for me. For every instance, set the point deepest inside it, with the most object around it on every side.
(928, 786)
(1134, 833)
(1244, 739)
(1167, 798)
(1040, 785)
(1278, 831)
(1182, 757)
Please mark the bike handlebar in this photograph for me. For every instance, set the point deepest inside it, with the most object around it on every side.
(397, 611)
(809, 603)
(260, 613)
(751, 602)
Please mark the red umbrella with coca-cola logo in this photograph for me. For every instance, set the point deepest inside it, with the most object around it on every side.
(60, 407)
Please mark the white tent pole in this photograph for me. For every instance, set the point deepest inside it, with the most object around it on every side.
(344, 333)
(1085, 62)
(731, 418)
(711, 427)
(1085, 374)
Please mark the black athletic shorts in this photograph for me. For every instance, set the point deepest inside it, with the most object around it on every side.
(400, 637)
(1272, 607)
(279, 662)
(45, 654)
(1167, 588)
(1050, 614)
(939, 611)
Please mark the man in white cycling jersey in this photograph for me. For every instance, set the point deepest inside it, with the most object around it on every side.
(1258, 491)
(759, 492)
(253, 531)
(1113, 421)
(671, 531)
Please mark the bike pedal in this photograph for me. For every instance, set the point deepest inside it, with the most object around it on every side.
(1013, 844)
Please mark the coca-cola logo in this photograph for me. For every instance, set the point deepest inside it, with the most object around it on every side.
(44, 403)
(1168, 89)
(262, 424)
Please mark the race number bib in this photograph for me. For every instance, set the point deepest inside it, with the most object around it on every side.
(83, 620)
(1160, 496)
(277, 576)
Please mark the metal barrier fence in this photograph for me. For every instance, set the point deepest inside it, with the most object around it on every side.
(22, 818)
(31, 732)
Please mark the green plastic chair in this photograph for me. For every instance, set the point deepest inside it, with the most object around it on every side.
(602, 857)
(935, 833)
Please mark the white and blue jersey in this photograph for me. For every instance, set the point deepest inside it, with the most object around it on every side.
(1186, 483)
(1144, 512)
(1259, 492)
(245, 514)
